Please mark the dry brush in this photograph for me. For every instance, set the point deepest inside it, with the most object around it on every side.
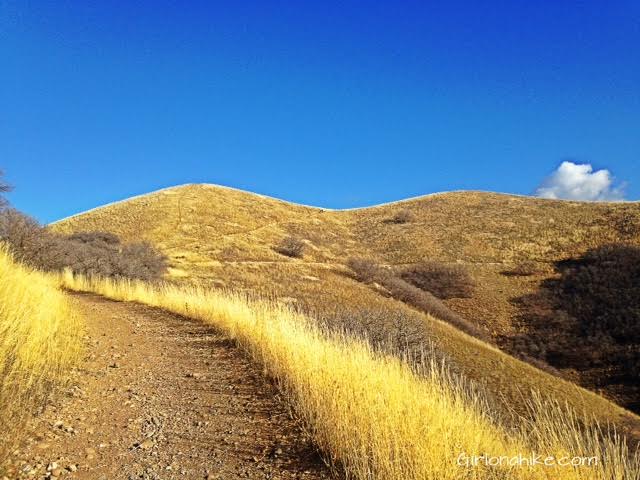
(371, 415)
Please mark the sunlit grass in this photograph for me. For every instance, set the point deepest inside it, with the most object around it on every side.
(370, 414)
(39, 341)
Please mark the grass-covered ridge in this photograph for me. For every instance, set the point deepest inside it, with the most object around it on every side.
(507, 245)
(39, 341)
(370, 413)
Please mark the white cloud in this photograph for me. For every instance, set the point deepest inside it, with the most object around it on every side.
(573, 181)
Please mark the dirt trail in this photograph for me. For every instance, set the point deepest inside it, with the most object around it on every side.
(162, 397)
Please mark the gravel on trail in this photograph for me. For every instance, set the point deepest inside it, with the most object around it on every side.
(160, 396)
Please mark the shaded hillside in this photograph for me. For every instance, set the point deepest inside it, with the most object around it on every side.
(228, 238)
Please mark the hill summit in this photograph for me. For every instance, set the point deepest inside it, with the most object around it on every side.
(511, 247)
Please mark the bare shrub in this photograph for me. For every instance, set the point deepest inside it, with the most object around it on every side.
(402, 216)
(367, 271)
(291, 247)
(4, 188)
(95, 238)
(430, 304)
(141, 260)
(28, 241)
(602, 289)
(101, 253)
(89, 253)
(442, 280)
(400, 333)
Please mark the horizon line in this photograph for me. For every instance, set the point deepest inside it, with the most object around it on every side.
(377, 205)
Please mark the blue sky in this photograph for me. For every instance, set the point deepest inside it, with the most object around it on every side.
(335, 104)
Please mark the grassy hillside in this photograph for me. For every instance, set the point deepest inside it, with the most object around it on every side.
(354, 401)
(39, 341)
(225, 238)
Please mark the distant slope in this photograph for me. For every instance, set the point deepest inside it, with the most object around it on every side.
(225, 237)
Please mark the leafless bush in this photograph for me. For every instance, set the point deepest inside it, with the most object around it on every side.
(387, 330)
(89, 253)
(367, 271)
(95, 238)
(29, 242)
(4, 188)
(291, 247)
(427, 302)
(403, 216)
(142, 260)
(443, 281)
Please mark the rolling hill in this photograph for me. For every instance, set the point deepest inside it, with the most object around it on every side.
(511, 246)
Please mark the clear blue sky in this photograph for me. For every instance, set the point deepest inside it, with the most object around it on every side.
(336, 104)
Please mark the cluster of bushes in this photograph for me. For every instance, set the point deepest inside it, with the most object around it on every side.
(602, 288)
(588, 319)
(369, 272)
(89, 253)
(442, 280)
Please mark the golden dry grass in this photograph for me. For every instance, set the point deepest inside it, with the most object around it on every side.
(39, 341)
(370, 413)
(224, 238)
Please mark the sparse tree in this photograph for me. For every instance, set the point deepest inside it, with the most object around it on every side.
(4, 188)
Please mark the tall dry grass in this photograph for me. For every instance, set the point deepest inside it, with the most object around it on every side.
(40, 337)
(373, 416)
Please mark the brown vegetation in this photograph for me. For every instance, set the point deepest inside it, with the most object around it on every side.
(402, 216)
(90, 253)
(442, 280)
(291, 247)
(588, 320)
(367, 271)
(4, 188)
